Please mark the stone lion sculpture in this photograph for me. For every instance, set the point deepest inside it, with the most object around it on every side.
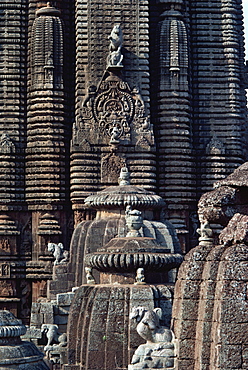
(61, 256)
(115, 56)
(53, 336)
(158, 351)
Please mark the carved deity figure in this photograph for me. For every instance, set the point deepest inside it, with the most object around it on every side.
(115, 134)
(205, 231)
(115, 57)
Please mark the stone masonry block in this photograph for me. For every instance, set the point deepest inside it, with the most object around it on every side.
(65, 299)
(230, 357)
(61, 320)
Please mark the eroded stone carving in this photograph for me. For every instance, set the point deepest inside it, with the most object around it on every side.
(140, 277)
(215, 147)
(134, 222)
(61, 256)
(6, 142)
(111, 164)
(158, 351)
(205, 231)
(89, 277)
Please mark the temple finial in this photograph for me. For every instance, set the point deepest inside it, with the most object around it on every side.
(124, 177)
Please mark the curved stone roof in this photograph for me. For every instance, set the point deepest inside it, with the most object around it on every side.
(48, 10)
(123, 196)
(14, 353)
(10, 326)
(129, 254)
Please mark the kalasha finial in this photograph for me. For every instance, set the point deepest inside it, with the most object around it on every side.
(124, 177)
(49, 4)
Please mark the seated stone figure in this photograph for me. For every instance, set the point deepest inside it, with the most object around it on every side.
(158, 351)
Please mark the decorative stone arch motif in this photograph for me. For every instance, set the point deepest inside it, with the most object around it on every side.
(114, 114)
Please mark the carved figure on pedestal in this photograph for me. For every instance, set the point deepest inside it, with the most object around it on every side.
(124, 177)
(205, 231)
(158, 352)
(89, 277)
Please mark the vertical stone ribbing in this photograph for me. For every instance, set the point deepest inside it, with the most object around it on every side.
(217, 46)
(13, 99)
(13, 40)
(45, 147)
(176, 180)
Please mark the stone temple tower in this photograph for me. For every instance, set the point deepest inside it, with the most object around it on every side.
(88, 87)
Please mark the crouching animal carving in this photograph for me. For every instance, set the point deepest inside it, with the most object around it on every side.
(158, 351)
(59, 254)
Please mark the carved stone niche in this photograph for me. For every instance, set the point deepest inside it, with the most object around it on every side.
(8, 291)
(48, 231)
(111, 165)
(8, 236)
(4, 270)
